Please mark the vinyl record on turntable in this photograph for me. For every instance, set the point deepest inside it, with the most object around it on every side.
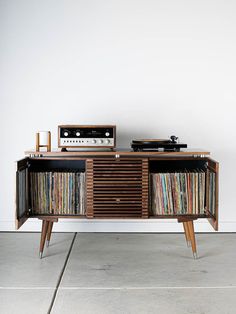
(151, 141)
(170, 144)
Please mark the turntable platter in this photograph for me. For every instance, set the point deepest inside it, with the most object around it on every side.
(156, 144)
(151, 141)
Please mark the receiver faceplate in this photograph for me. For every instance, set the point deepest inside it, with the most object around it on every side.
(86, 136)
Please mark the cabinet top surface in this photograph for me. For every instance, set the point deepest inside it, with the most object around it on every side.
(118, 151)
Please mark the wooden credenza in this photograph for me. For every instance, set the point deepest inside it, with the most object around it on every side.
(117, 185)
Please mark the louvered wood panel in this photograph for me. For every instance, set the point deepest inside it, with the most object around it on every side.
(89, 188)
(117, 188)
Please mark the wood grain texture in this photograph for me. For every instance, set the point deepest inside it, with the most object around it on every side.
(120, 152)
(20, 219)
(89, 188)
(191, 233)
(49, 231)
(214, 167)
(45, 224)
(117, 188)
(186, 232)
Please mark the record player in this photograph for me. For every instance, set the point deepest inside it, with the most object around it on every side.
(170, 144)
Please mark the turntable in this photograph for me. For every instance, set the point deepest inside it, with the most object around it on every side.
(170, 144)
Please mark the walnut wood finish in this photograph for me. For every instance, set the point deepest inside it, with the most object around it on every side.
(117, 188)
(38, 145)
(89, 189)
(186, 232)
(49, 232)
(192, 237)
(120, 152)
(37, 142)
(45, 224)
(23, 164)
(20, 219)
(145, 188)
(213, 166)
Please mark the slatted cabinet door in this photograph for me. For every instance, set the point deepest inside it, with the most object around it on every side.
(22, 192)
(212, 211)
(117, 188)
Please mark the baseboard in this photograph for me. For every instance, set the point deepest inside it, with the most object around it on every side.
(152, 226)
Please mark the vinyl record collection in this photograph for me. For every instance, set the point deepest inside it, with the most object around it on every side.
(181, 193)
(58, 193)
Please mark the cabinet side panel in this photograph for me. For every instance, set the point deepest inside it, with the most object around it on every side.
(21, 192)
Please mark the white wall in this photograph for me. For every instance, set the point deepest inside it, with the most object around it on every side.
(152, 67)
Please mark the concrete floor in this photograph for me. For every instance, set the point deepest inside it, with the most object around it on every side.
(117, 273)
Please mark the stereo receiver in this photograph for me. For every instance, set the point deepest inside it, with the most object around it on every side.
(86, 136)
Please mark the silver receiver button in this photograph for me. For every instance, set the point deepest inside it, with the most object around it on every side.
(107, 141)
(100, 141)
(94, 141)
(66, 133)
(107, 133)
(77, 133)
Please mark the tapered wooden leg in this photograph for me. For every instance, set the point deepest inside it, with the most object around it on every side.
(186, 232)
(192, 238)
(43, 236)
(49, 232)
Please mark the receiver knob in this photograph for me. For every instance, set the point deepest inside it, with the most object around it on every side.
(107, 133)
(66, 133)
(77, 133)
(107, 141)
(94, 141)
(100, 141)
